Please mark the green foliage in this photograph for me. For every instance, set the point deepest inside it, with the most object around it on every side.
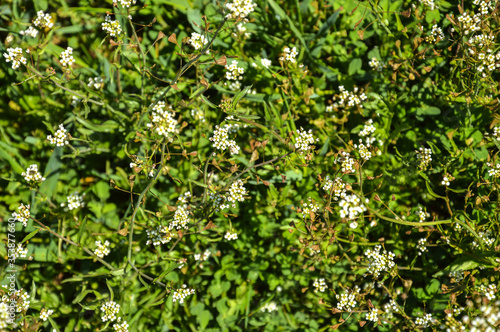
(198, 199)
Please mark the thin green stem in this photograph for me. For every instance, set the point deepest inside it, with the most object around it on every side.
(138, 203)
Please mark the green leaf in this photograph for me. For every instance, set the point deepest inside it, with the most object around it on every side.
(431, 192)
(167, 271)
(458, 191)
(204, 318)
(30, 235)
(432, 287)
(81, 230)
(111, 293)
(434, 148)
(354, 66)
(11, 160)
(240, 95)
(325, 147)
(428, 110)
(106, 127)
(198, 183)
(197, 92)
(328, 24)
(208, 102)
(463, 263)
(52, 172)
(245, 116)
(399, 24)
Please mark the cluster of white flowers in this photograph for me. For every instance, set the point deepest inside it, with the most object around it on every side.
(309, 207)
(204, 257)
(163, 120)
(22, 295)
(425, 156)
(485, 6)
(221, 140)
(184, 198)
(96, 82)
(30, 32)
(304, 141)
(197, 41)
(347, 300)
(289, 55)
(44, 314)
(425, 322)
(160, 235)
(32, 175)
(236, 192)
(233, 72)
(372, 315)
(235, 86)
(136, 162)
(349, 99)
(496, 133)
(422, 215)
(102, 249)
(446, 181)
(43, 20)
(242, 30)
(422, 246)
(23, 214)
(390, 308)
(488, 62)
(352, 207)
(379, 261)
(363, 150)
(240, 8)
(19, 252)
(67, 57)
(346, 162)
(125, 3)
(198, 115)
(219, 201)
(111, 27)
(319, 285)
(109, 311)
(470, 23)
(181, 218)
(376, 64)
(457, 275)
(15, 55)
(4, 314)
(428, 3)
(269, 307)
(436, 35)
(489, 292)
(485, 237)
(367, 131)
(61, 137)
(181, 293)
(488, 321)
(338, 186)
(231, 236)
(75, 201)
(494, 171)
(481, 41)
(120, 327)
(266, 63)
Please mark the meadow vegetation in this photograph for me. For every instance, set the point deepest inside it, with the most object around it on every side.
(265, 165)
